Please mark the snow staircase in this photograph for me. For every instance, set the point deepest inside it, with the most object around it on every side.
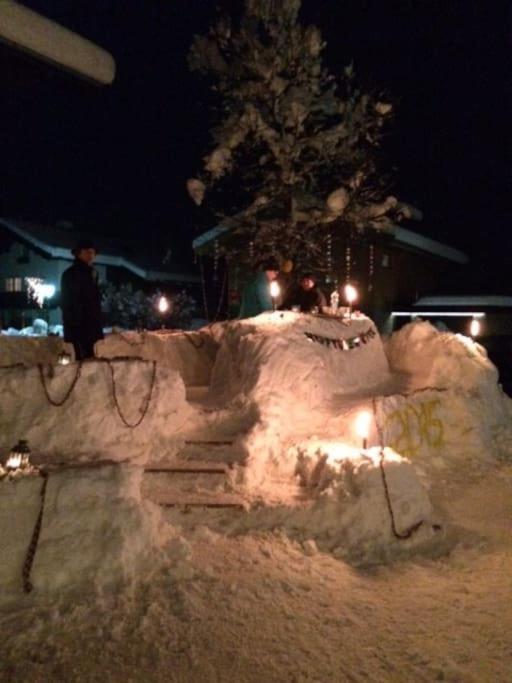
(199, 477)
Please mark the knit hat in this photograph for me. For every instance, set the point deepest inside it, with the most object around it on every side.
(83, 244)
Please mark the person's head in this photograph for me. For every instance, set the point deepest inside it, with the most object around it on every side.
(270, 267)
(307, 281)
(84, 251)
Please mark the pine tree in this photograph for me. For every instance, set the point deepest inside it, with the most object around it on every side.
(297, 153)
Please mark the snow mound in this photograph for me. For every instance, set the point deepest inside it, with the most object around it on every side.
(455, 409)
(91, 423)
(96, 530)
(283, 355)
(440, 359)
(364, 506)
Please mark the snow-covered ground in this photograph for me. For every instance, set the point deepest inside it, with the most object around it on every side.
(340, 564)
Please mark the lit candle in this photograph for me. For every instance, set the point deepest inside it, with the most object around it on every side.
(475, 327)
(350, 293)
(363, 423)
(274, 293)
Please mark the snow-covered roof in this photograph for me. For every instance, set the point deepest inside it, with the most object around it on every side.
(402, 236)
(414, 239)
(40, 37)
(57, 243)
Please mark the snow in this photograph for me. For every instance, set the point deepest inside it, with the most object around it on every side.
(344, 562)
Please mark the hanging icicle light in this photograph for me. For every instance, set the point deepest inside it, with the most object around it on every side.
(348, 262)
(371, 266)
(216, 254)
(329, 257)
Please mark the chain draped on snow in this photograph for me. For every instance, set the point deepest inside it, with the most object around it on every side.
(146, 402)
(68, 393)
(402, 536)
(31, 551)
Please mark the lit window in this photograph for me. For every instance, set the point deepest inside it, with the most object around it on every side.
(13, 284)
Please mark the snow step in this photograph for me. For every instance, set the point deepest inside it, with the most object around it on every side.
(206, 442)
(189, 467)
(201, 500)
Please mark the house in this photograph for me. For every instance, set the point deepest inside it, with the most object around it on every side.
(390, 269)
(35, 253)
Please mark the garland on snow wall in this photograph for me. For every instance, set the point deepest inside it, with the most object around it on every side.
(343, 344)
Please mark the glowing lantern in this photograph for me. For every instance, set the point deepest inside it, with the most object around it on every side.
(19, 457)
(475, 327)
(363, 424)
(274, 293)
(350, 294)
(64, 358)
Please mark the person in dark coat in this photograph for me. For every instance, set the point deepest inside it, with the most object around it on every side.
(307, 296)
(81, 302)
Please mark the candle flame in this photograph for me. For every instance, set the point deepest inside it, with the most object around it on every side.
(350, 293)
(475, 327)
(363, 424)
(274, 289)
(13, 462)
(163, 304)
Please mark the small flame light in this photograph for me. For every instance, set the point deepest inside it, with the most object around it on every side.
(64, 358)
(163, 305)
(350, 294)
(274, 293)
(475, 328)
(363, 424)
(19, 457)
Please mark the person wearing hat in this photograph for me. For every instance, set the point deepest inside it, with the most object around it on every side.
(307, 296)
(256, 297)
(81, 302)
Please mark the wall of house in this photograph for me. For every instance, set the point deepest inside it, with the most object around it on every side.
(22, 261)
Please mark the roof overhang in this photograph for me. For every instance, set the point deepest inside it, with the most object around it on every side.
(33, 34)
(401, 235)
(101, 259)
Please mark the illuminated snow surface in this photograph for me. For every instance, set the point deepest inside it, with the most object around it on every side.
(308, 582)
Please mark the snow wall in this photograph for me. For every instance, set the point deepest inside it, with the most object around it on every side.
(96, 531)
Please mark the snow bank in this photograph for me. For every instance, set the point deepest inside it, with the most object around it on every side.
(89, 424)
(455, 408)
(30, 350)
(96, 531)
(344, 508)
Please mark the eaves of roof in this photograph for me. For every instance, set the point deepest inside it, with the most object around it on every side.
(101, 259)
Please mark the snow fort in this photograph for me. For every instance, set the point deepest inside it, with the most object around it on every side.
(306, 423)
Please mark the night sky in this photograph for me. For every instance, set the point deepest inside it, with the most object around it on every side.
(116, 158)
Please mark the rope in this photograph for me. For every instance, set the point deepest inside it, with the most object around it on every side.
(146, 403)
(32, 548)
(50, 400)
(408, 532)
